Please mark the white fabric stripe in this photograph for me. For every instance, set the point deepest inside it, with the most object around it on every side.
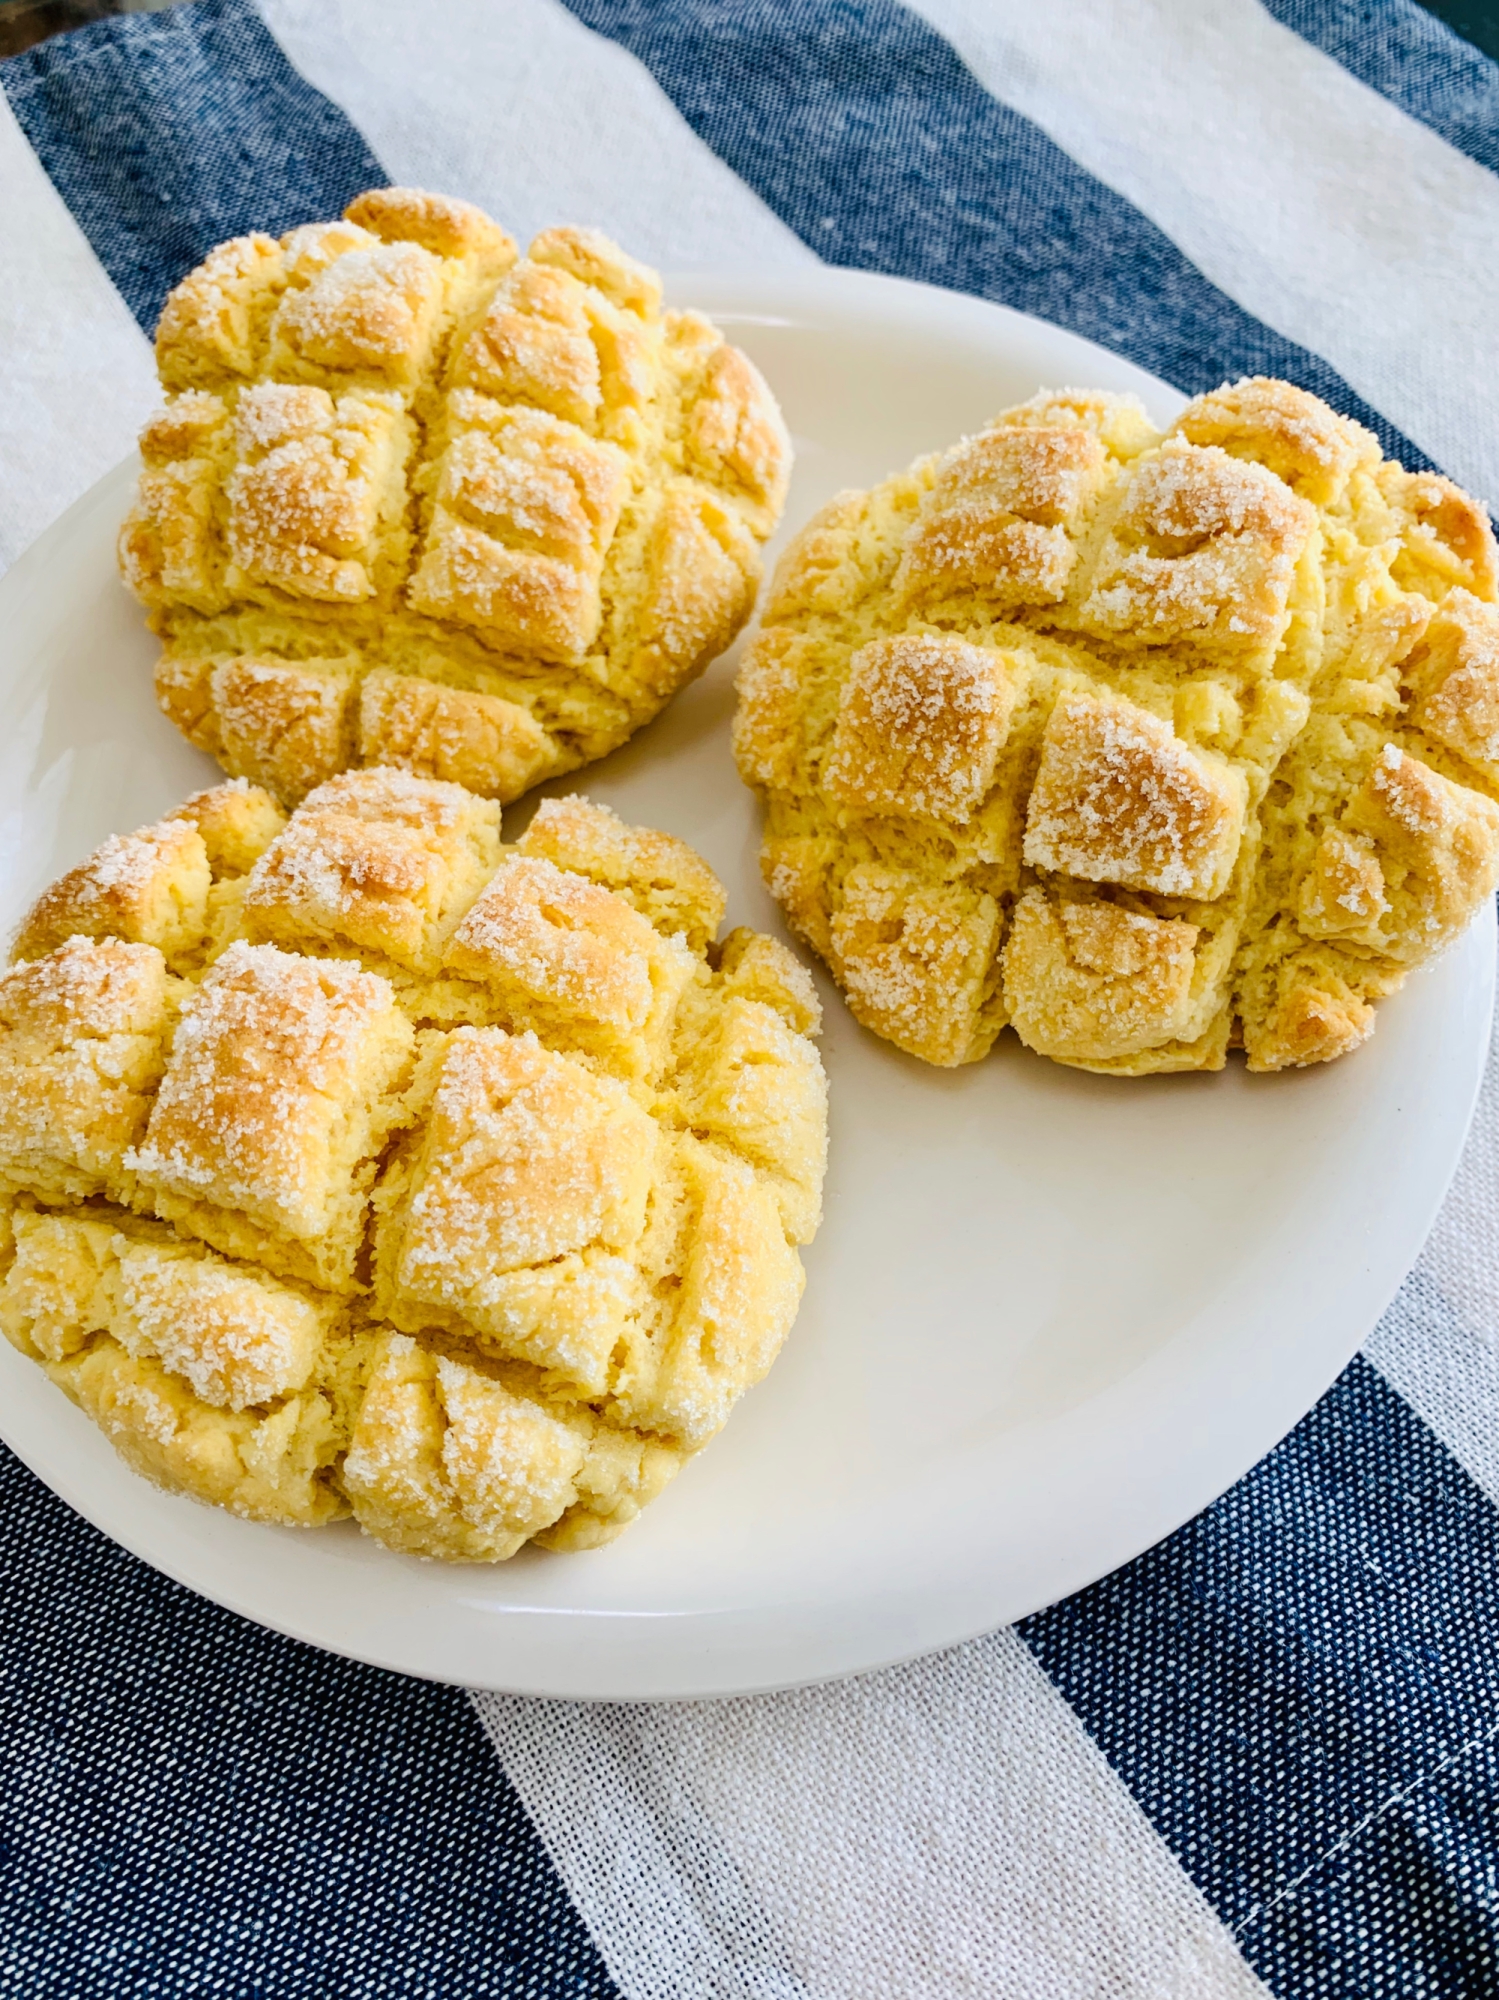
(939, 1830)
(1307, 197)
(523, 110)
(1439, 1343)
(79, 378)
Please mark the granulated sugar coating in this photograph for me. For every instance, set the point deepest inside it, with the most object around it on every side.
(358, 1162)
(414, 500)
(1147, 747)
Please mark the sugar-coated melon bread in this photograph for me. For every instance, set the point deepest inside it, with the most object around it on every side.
(359, 1162)
(1146, 746)
(416, 500)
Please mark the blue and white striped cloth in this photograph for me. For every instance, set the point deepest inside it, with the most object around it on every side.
(1265, 1756)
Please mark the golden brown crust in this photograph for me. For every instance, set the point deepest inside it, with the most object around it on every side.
(313, 483)
(236, 822)
(1236, 765)
(1118, 798)
(761, 968)
(1287, 429)
(921, 722)
(440, 224)
(1092, 982)
(673, 888)
(1001, 519)
(418, 500)
(208, 327)
(736, 439)
(205, 1376)
(1305, 1011)
(380, 861)
(1454, 675)
(359, 309)
(700, 574)
(524, 511)
(445, 1461)
(524, 1207)
(818, 570)
(1446, 538)
(273, 1107)
(722, 1325)
(913, 959)
(474, 740)
(589, 256)
(1119, 422)
(558, 954)
(1436, 845)
(469, 1203)
(283, 725)
(1203, 546)
(149, 887)
(767, 720)
(751, 1085)
(83, 1042)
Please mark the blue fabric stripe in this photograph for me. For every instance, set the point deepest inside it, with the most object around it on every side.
(166, 133)
(1301, 1688)
(1412, 58)
(192, 1806)
(860, 126)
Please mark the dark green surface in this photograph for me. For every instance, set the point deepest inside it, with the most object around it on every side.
(1477, 21)
(25, 22)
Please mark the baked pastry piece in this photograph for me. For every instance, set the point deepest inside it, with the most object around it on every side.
(1142, 745)
(416, 500)
(358, 1162)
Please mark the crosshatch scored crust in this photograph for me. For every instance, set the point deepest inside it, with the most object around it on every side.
(359, 1162)
(1146, 746)
(416, 500)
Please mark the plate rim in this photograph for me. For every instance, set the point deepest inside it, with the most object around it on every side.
(945, 1614)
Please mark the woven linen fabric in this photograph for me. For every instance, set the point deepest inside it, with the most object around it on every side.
(194, 1806)
(1261, 1758)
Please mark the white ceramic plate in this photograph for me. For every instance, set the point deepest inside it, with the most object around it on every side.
(1049, 1316)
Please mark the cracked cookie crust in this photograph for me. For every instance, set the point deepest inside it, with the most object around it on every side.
(360, 1162)
(1145, 746)
(415, 499)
